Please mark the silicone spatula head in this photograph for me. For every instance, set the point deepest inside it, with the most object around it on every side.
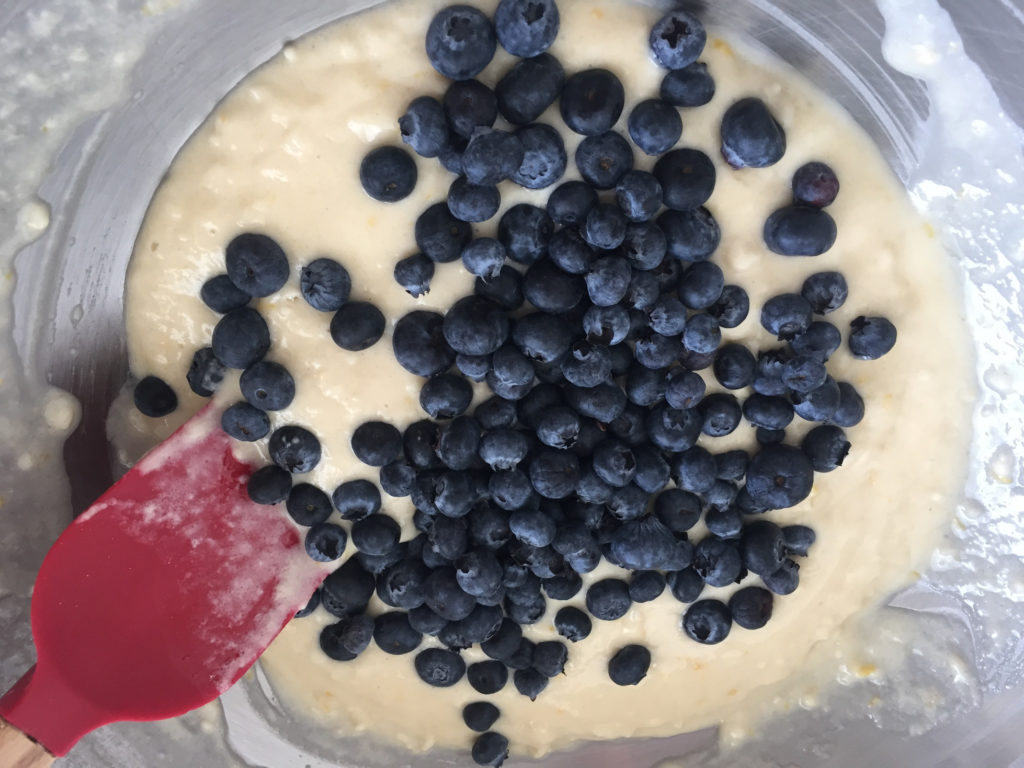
(161, 595)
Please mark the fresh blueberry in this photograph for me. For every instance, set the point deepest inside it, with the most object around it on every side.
(529, 88)
(308, 505)
(826, 446)
(503, 448)
(544, 157)
(819, 404)
(376, 443)
(424, 126)
(451, 153)
(645, 586)
(541, 337)
(505, 290)
(243, 421)
(702, 334)
(605, 228)
(825, 291)
(648, 544)
(221, 295)
(394, 635)
(414, 274)
(645, 247)
(294, 448)
(554, 473)
(691, 86)
(751, 136)
(751, 607)
(443, 595)
(505, 642)
(592, 101)
(731, 307)
(678, 510)
(685, 585)
(572, 624)
(526, 28)
(672, 429)
(587, 364)
(799, 231)
(269, 485)
(325, 284)
(525, 231)
(725, 522)
(605, 402)
(818, 342)
(779, 476)
(479, 716)
(475, 326)
(608, 599)
(629, 665)
(691, 235)
(419, 443)
(871, 337)
(621, 354)
(440, 667)
(487, 677)
(510, 489)
(267, 386)
(785, 580)
(608, 280)
(331, 642)
(473, 203)
(424, 620)
(639, 196)
(550, 289)
(460, 42)
(479, 573)
(484, 257)
(482, 623)
(401, 585)
(718, 562)
(667, 316)
(356, 499)
(721, 414)
(815, 184)
(645, 387)
(804, 373)
(563, 587)
(347, 591)
(769, 436)
(532, 526)
(614, 463)
(606, 325)
(440, 236)
(655, 126)
(652, 471)
(530, 682)
(683, 388)
(850, 411)
(388, 174)
(495, 413)
(786, 316)
(768, 411)
(798, 539)
(707, 621)
(771, 364)
(491, 157)
(687, 178)
(721, 495)
(241, 338)
(325, 542)
(446, 396)
(731, 465)
(549, 657)
(256, 264)
(527, 611)
(604, 159)
(701, 285)
(628, 503)
(677, 39)
(469, 106)
(154, 397)
(735, 366)
(570, 252)
(490, 748)
(357, 326)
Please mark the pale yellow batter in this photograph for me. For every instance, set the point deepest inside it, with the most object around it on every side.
(280, 155)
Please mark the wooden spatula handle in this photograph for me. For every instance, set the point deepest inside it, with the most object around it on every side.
(19, 751)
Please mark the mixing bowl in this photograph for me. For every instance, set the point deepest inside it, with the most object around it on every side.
(946, 125)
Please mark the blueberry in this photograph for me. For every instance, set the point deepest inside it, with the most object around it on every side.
(694, 469)
(804, 373)
(495, 413)
(443, 595)
(376, 443)
(604, 402)
(819, 404)
(604, 159)
(696, 361)
(549, 657)
(638, 195)
(707, 621)
(648, 544)
(731, 465)
(544, 157)
(439, 667)
(721, 495)
(815, 184)
(269, 485)
(818, 342)
(245, 422)
(510, 489)
(798, 539)
(455, 494)
(779, 476)
(388, 174)
(721, 414)
(592, 101)
(702, 334)
(525, 231)
(424, 126)
(529, 88)
(481, 624)
(505, 642)
(667, 316)
(677, 510)
(414, 274)
(606, 325)
(725, 522)
(731, 307)
(479, 573)
(446, 396)
(718, 562)
(469, 106)
(221, 295)
(586, 365)
(768, 411)
(424, 620)
(311, 605)
(769, 436)
(503, 448)
(701, 285)
(357, 326)
(614, 463)
(487, 677)
(347, 591)
(605, 228)
(683, 388)
(687, 178)
(473, 203)
(527, 611)
(652, 471)
(331, 642)
(786, 316)
(799, 231)
(325, 284)
(308, 505)
(751, 607)
(685, 585)
(608, 599)
(608, 280)
(295, 449)
(532, 526)
(479, 716)
(629, 665)
(267, 386)
(256, 264)
(691, 235)
(325, 542)
(645, 387)
(690, 86)
(826, 446)
(356, 499)
(440, 236)
(645, 586)
(785, 580)
(241, 338)
(553, 473)
(530, 683)
(563, 587)
(825, 291)
(419, 443)
(621, 355)
(677, 39)
(645, 247)
(401, 585)
(735, 366)
(492, 157)
(539, 399)
(850, 410)
(154, 397)
(475, 326)
(751, 136)
(505, 290)
(460, 42)
(451, 153)
(871, 337)
(628, 503)
(550, 289)
(394, 635)
(490, 748)
(771, 364)
(655, 126)
(526, 27)
(672, 429)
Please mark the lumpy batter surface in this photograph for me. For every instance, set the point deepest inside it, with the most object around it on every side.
(280, 155)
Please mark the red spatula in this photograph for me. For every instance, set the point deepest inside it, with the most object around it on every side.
(157, 598)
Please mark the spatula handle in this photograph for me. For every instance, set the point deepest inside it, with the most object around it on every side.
(19, 751)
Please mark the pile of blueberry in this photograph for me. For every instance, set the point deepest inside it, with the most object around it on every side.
(589, 321)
